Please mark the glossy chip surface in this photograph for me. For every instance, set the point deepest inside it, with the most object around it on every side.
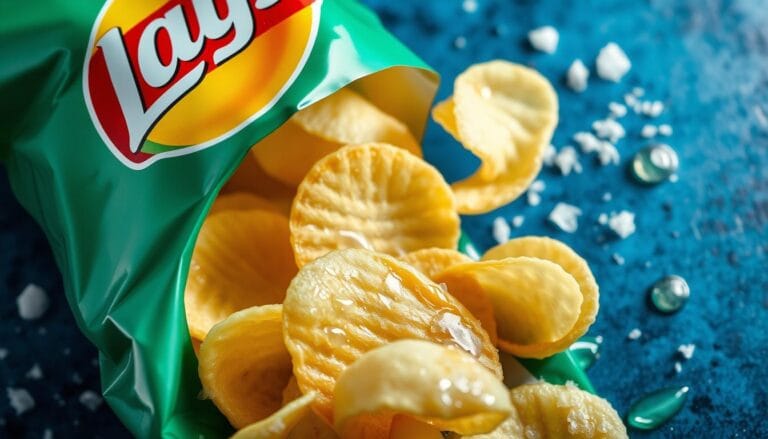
(431, 261)
(280, 423)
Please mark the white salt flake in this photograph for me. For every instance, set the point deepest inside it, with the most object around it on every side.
(634, 334)
(612, 63)
(533, 198)
(567, 160)
(617, 110)
(599, 339)
(501, 230)
(602, 219)
(35, 373)
(630, 100)
(544, 39)
(686, 350)
(577, 76)
(518, 220)
(665, 129)
(537, 186)
(622, 223)
(3, 353)
(469, 6)
(608, 129)
(32, 302)
(673, 178)
(648, 131)
(549, 155)
(678, 367)
(460, 42)
(607, 197)
(566, 217)
(606, 152)
(638, 91)
(533, 194)
(656, 109)
(618, 259)
(91, 400)
(20, 400)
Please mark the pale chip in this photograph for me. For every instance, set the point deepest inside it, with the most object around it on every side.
(280, 423)
(244, 365)
(440, 385)
(372, 196)
(250, 177)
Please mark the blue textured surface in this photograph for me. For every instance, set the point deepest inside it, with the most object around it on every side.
(706, 60)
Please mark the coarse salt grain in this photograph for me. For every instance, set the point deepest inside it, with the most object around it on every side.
(518, 220)
(612, 63)
(602, 219)
(648, 131)
(608, 129)
(537, 186)
(32, 302)
(686, 350)
(91, 400)
(567, 160)
(577, 76)
(634, 334)
(678, 367)
(469, 6)
(638, 91)
(544, 39)
(549, 155)
(460, 42)
(606, 152)
(607, 197)
(20, 400)
(35, 373)
(618, 259)
(533, 198)
(565, 216)
(673, 178)
(617, 110)
(622, 223)
(665, 130)
(501, 230)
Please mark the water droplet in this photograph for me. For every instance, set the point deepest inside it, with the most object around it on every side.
(656, 408)
(585, 352)
(337, 336)
(394, 284)
(670, 293)
(355, 240)
(345, 302)
(445, 384)
(385, 300)
(460, 335)
(655, 163)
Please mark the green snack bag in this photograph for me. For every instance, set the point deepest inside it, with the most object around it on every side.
(121, 121)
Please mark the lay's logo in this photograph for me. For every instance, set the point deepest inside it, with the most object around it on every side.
(168, 78)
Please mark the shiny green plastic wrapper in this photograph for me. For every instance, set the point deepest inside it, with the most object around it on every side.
(120, 121)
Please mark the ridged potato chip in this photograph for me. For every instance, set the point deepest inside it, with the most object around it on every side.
(440, 385)
(241, 259)
(242, 201)
(405, 427)
(372, 196)
(431, 261)
(550, 411)
(562, 255)
(345, 117)
(244, 365)
(280, 423)
(535, 301)
(505, 114)
(250, 177)
(351, 301)
(311, 426)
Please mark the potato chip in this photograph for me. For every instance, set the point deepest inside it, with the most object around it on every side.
(351, 301)
(312, 426)
(372, 196)
(562, 255)
(535, 301)
(241, 259)
(242, 201)
(549, 411)
(405, 427)
(244, 365)
(289, 152)
(196, 346)
(250, 177)
(431, 261)
(511, 428)
(280, 423)
(345, 117)
(505, 114)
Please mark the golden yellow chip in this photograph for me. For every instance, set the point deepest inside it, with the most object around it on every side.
(244, 365)
(351, 301)
(548, 411)
(535, 301)
(405, 427)
(250, 177)
(345, 117)
(312, 426)
(280, 423)
(196, 346)
(505, 114)
(288, 153)
(372, 196)
(241, 259)
(242, 201)
(511, 428)
(431, 261)
(440, 385)
(562, 255)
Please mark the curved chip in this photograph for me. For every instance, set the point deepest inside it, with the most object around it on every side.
(372, 196)
(244, 365)
(242, 201)
(535, 301)
(241, 259)
(345, 117)
(405, 427)
(505, 114)
(431, 261)
(280, 423)
(562, 255)
(250, 177)
(440, 385)
(351, 301)
(550, 411)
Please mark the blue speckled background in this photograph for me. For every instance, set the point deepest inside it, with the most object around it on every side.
(706, 60)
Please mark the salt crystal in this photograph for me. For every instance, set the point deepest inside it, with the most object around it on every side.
(544, 39)
(537, 186)
(657, 107)
(607, 197)
(90, 400)
(603, 219)
(618, 259)
(630, 100)
(35, 373)
(587, 141)
(549, 155)
(648, 131)
(686, 350)
(634, 334)
(638, 91)
(623, 223)
(665, 129)
(608, 129)
(518, 220)
(678, 367)
(3, 353)
(501, 230)
(533, 194)
(673, 178)
(612, 63)
(567, 160)
(617, 110)
(577, 76)
(20, 400)
(599, 339)
(32, 302)
(460, 42)
(565, 216)
(469, 6)
(608, 154)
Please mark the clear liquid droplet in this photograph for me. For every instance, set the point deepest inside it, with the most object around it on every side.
(585, 352)
(670, 293)
(336, 336)
(355, 240)
(446, 322)
(655, 163)
(656, 408)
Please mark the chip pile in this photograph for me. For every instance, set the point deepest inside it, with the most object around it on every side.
(326, 299)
